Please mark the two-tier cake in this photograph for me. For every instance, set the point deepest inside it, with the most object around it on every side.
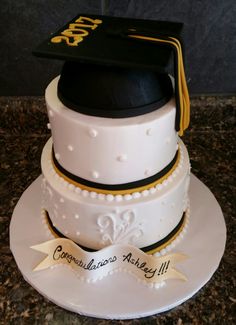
(115, 177)
(115, 169)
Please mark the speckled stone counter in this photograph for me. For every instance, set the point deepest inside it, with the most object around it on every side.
(211, 144)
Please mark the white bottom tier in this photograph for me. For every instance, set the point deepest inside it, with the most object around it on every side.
(123, 297)
(97, 220)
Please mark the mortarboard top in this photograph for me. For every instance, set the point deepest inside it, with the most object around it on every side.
(144, 50)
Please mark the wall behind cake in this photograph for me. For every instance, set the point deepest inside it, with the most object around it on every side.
(210, 29)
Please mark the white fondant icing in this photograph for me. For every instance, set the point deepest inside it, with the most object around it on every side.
(114, 137)
(122, 158)
(148, 208)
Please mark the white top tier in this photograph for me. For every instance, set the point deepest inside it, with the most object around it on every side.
(111, 151)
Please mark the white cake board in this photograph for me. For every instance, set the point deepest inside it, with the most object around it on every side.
(120, 296)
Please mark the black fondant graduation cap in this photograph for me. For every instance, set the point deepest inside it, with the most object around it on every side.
(118, 67)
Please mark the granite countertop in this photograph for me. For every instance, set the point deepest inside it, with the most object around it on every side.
(211, 143)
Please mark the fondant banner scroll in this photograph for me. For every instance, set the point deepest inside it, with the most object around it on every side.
(96, 265)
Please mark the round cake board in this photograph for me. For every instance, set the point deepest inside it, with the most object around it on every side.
(120, 295)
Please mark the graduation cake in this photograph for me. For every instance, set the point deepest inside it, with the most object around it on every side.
(115, 170)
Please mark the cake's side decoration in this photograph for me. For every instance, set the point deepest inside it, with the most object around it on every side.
(96, 265)
(159, 248)
(127, 188)
(186, 191)
(119, 227)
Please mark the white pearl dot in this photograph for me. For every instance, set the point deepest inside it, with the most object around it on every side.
(110, 197)
(145, 193)
(57, 155)
(168, 140)
(95, 174)
(76, 216)
(70, 147)
(101, 196)
(172, 245)
(122, 158)
(147, 172)
(50, 113)
(93, 195)
(165, 182)
(93, 133)
(159, 187)
(128, 197)
(48, 232)
(163, 251)
(71, 187)
(49, 126)
(118, 198)
(78, 190)
(174, 174)
(153, 190)
(149, 132)
(85, 193)
(57, 176)
(136, 195)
